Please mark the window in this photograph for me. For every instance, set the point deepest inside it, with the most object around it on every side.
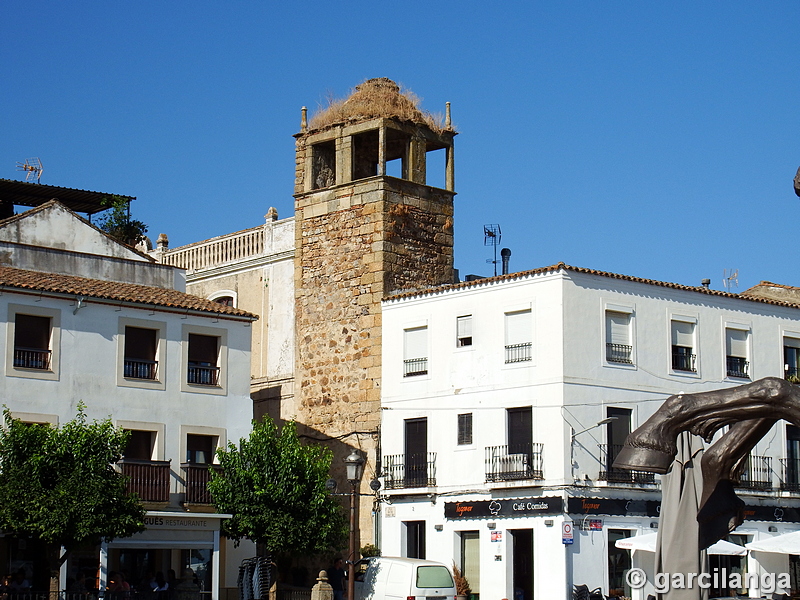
(200, 449)
(415, 539)
(683, 356)
(464, 331)
(471, 559)
(520, 430)
(518, 336)
(203, 357)
(415, 351)
(140, 353)
(140, 445)
(224, 300)
(791, 358)
(737, 364)
(32, 342)
(323, 165)
(791, 464)
(618, 337)
(417, 473)
(465, 429)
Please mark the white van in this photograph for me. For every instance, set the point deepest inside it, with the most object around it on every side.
(389, 578)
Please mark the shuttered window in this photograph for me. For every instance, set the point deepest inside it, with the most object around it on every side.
(464, 429)
(464, 331)
(736, 343)
(683, 334)
(415, 343)
(518, 327)
(618, 328)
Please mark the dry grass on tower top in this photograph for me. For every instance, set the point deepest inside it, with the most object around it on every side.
(374, 98)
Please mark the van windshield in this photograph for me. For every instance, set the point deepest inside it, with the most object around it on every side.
(434, 576)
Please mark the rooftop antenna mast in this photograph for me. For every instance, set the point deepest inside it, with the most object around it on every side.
(491, 237)
(730, 279)
(33, 169)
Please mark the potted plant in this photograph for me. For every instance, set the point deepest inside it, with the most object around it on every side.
(462, 585)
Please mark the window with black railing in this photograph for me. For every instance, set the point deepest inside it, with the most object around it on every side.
(791, 359)
(737, 367)
(140, 353)
(413, 470)
(514, 462)
(415, 366)
(757, 473)
(608, 454)
(683, 359)
(619, 353)
(32, 342)
(203, 357)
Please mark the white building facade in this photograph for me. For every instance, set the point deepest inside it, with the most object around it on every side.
(85, 319)
(493, 394)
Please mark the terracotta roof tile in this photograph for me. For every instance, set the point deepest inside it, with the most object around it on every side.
(564, 267)
(114, 291)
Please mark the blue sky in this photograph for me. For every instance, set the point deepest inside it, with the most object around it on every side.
(656, 139)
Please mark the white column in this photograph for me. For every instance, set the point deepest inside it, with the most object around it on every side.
(215, 566)
(101, 585)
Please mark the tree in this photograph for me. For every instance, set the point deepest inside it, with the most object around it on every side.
(274, 487)
(116, 221)
(58, 485)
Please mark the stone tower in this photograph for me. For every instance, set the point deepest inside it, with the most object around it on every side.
(362, 234)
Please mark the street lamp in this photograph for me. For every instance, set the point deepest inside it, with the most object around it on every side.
(354, 464)
(576, 434)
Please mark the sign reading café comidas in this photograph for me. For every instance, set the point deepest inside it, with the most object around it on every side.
(504, 507)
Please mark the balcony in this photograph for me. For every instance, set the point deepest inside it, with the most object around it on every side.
(202, 374)
(792, 373)
(790, 474)
(737, 367)
(757, 474)
(415, 366)
(135, 368)
(221, 250)
(196, 478)
(32, 358)
(514, 463)
(147, 478)
(619, 353)
(518, 353)
(684, 361)
(405, 471)
(608, 453)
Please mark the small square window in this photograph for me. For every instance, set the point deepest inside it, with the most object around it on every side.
(465, 429)
(464, 331)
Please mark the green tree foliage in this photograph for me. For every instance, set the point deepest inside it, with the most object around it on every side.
(116, 221)
(58, 485)
(274, 487)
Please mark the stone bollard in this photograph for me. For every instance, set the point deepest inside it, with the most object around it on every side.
(322, 590)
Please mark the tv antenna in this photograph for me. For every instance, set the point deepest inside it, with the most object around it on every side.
(491, 237)
(730, 278)
(33, 169)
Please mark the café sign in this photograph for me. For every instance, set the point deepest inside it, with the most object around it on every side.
(504, 507)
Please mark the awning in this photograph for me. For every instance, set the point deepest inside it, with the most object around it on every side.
(788, 543)
(647, 543)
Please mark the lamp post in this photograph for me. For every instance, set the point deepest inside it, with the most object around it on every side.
(576, 434)
(354, 464)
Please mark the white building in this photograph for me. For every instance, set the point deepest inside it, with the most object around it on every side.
(493, 391)
(86, 319)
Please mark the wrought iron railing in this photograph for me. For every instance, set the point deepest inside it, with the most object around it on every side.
(196, 478)
(203, 375)
(683, 361)
(147, 478)
(757, 474)
(790, 474)
(32, 358)
(403, 471)
(738, 367)
(136, 368)
(415, 366)
(619, 353)
(518, 352)
(608, 454)
(512, 463)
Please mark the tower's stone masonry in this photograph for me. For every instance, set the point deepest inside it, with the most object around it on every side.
(360, 236)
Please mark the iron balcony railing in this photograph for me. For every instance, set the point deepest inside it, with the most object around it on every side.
(682, 361)
(757, 474)
(790, 474)
(402, 471)
(196, 478)
(513, 463)
(135, 368)
(415, 366)
(147, 478)
(32, 358)
(738, 367)
(202, 375)
(518, 353)
(619, 353)
(608, 454)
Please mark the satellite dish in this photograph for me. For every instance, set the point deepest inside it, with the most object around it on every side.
(33, 169)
